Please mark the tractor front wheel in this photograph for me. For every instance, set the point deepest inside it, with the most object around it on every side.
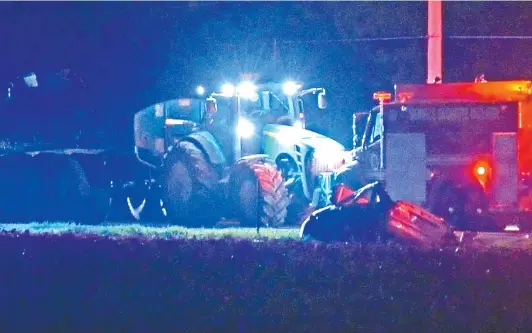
(189, 187)
(260, 193)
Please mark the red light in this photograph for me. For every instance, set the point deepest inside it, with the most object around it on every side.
(482, 172)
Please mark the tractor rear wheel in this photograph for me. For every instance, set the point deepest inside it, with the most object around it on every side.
(260, 193)
(189, 187)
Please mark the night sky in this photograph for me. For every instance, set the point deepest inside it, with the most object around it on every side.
(135, 53)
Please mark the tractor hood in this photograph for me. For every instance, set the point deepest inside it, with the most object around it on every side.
(289, 136)
(320, 142)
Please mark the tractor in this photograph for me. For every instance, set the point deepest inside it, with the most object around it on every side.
(307, 159)
(200, 171)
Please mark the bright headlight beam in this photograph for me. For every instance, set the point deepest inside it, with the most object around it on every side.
(245, 128)
(228, 90)
(247, 90)
(200, 90)
(290, 88)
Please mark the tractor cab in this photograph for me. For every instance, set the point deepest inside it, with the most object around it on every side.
(272, 102)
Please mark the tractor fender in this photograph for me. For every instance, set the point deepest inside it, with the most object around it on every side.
(207, 142)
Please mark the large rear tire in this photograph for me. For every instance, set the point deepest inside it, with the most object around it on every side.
(260, 195)
(299, 206)
(189, 187)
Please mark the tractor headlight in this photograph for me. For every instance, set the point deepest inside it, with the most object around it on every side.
(329, 160)
(245, 128)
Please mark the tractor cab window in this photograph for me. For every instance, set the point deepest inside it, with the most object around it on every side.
(185, 108)
(374, 129)
(377, 128)
(360, 120)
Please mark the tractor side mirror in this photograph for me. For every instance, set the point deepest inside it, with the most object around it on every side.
(322, 100)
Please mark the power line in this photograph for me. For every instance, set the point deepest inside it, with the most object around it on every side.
(488, 37)
(351, 40)
(379, 39)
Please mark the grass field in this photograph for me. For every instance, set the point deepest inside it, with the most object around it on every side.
(162, 232)
(135, 278)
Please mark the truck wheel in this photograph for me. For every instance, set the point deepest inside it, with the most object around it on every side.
(444, 201)
(463, 205)
(476, 209)
(259, 190)
(189, 187)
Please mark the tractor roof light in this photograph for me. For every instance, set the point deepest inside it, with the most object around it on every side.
(200, 90)
(247, 90)
(290, 88)
(228, 90)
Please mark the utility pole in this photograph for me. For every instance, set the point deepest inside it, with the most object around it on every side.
(434, 47)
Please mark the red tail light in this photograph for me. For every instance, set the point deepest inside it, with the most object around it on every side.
(482, 171)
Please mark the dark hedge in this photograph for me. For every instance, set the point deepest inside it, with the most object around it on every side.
(92, 284)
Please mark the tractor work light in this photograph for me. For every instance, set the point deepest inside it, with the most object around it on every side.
(245, 128)
(200, 90)
(228, 90)
(290, 88)
(247, 90)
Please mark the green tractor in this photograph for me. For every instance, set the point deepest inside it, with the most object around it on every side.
(308, 160)
(194, 148)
